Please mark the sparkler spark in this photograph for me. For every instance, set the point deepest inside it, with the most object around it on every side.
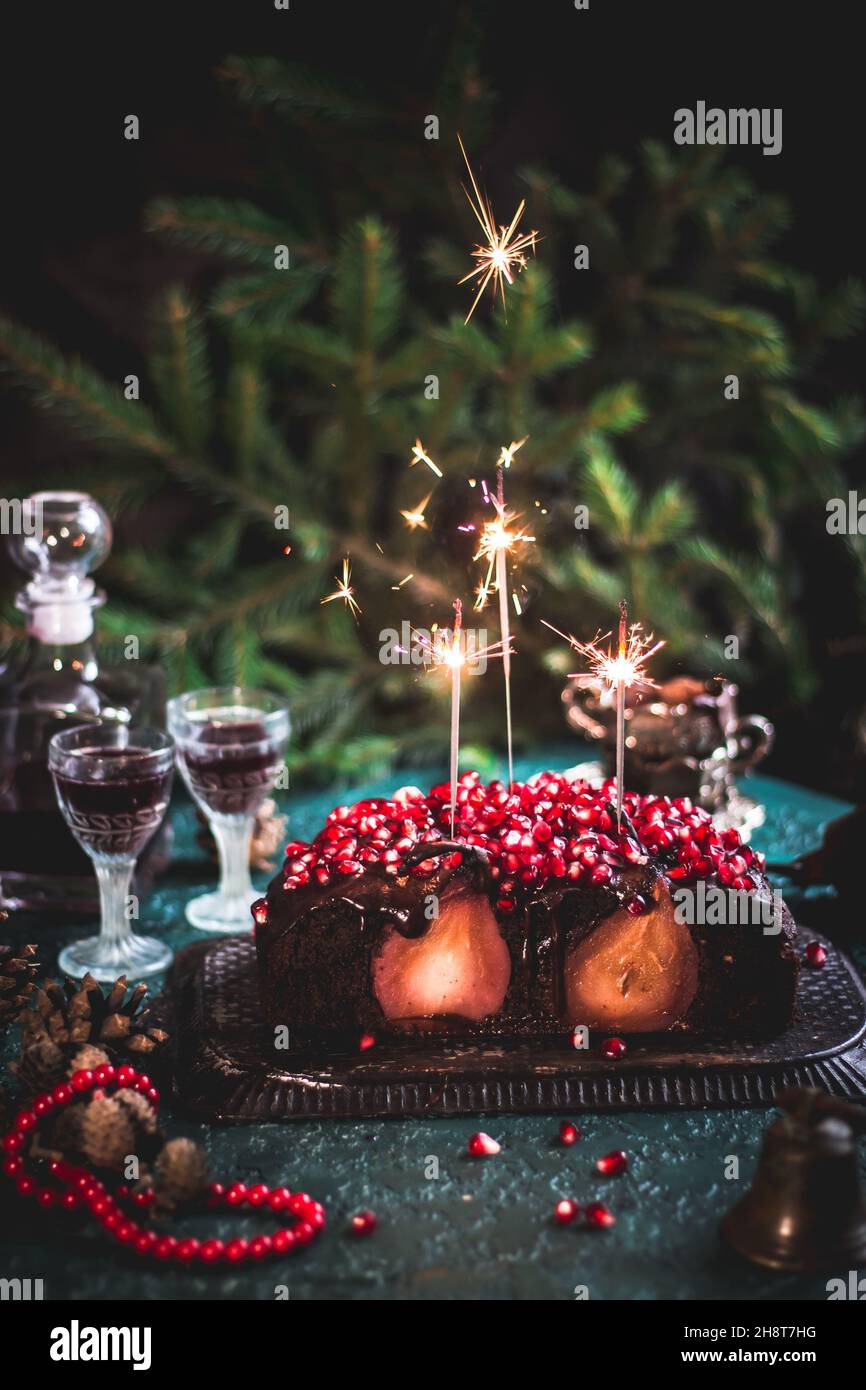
(623, 664)
(507, 452)
(496, 542)
(420, 455)
(497, 538)
(414, 517)
(448, 650)
(501, 255)
(344, 591)
(615, 671)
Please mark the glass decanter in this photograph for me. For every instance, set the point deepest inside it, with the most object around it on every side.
(57, 685)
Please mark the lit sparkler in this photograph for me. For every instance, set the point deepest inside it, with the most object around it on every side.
(447, 650)
(497, 541)
(415, 517)
(344, 591)
(501, 255)
(615, 671)
(420, 455)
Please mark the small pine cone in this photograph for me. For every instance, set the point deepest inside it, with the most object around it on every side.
(108, 1133)
(181, 1173)
(88, 1058)
(41, 1065)
(269, 831)
(17, 972)
(65, 1128)
(139, 1110)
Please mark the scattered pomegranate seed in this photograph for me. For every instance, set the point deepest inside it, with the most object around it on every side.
(816, 956)
(482, 1146)
(566, 1211)
(363, 1223)
(366, 1041)
(614, 1047)
(599, 1216)
(613, 1163)
(568, 1133)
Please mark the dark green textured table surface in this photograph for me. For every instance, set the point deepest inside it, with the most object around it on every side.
(481, 1229)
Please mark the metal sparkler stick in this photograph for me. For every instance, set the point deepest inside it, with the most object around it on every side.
(504, 623)
(456, 666)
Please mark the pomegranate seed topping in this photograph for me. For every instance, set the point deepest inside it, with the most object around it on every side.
(548, 828)
(366, 1041)
(363, 1223)
(613, 1047)
(816, 955)
(613, 1164)
(566, 1211)
(599, 1216)
(568, 1133)
(637, 905)
(482, 1146)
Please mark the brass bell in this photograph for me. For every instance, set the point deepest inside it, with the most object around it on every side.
(805, 1208)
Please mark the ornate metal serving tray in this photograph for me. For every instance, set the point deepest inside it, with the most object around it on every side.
(226, 1068)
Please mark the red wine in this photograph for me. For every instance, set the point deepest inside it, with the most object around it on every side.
(114, 813)
(232, 764)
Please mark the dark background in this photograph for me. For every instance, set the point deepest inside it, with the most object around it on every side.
(571, 85)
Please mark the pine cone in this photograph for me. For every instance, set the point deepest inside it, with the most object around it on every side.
(107, 1129)
(81, 1013)
(41, 1065)
(140, 1112)
(269, 830)
(181, 1174)
(106, 1132)
(87, 1058)
(17, 972)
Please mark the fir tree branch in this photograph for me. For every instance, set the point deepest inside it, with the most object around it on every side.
(290, 89)
(235, 230)
(181, 371)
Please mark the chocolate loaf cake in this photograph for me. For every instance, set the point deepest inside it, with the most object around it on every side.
(539, 916)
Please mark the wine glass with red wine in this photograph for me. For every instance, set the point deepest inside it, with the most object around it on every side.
(113, 784)
(231, 745)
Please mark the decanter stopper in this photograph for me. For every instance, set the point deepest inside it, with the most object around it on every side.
(68, 534)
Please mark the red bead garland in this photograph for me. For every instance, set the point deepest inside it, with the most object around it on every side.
(76, 1187)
